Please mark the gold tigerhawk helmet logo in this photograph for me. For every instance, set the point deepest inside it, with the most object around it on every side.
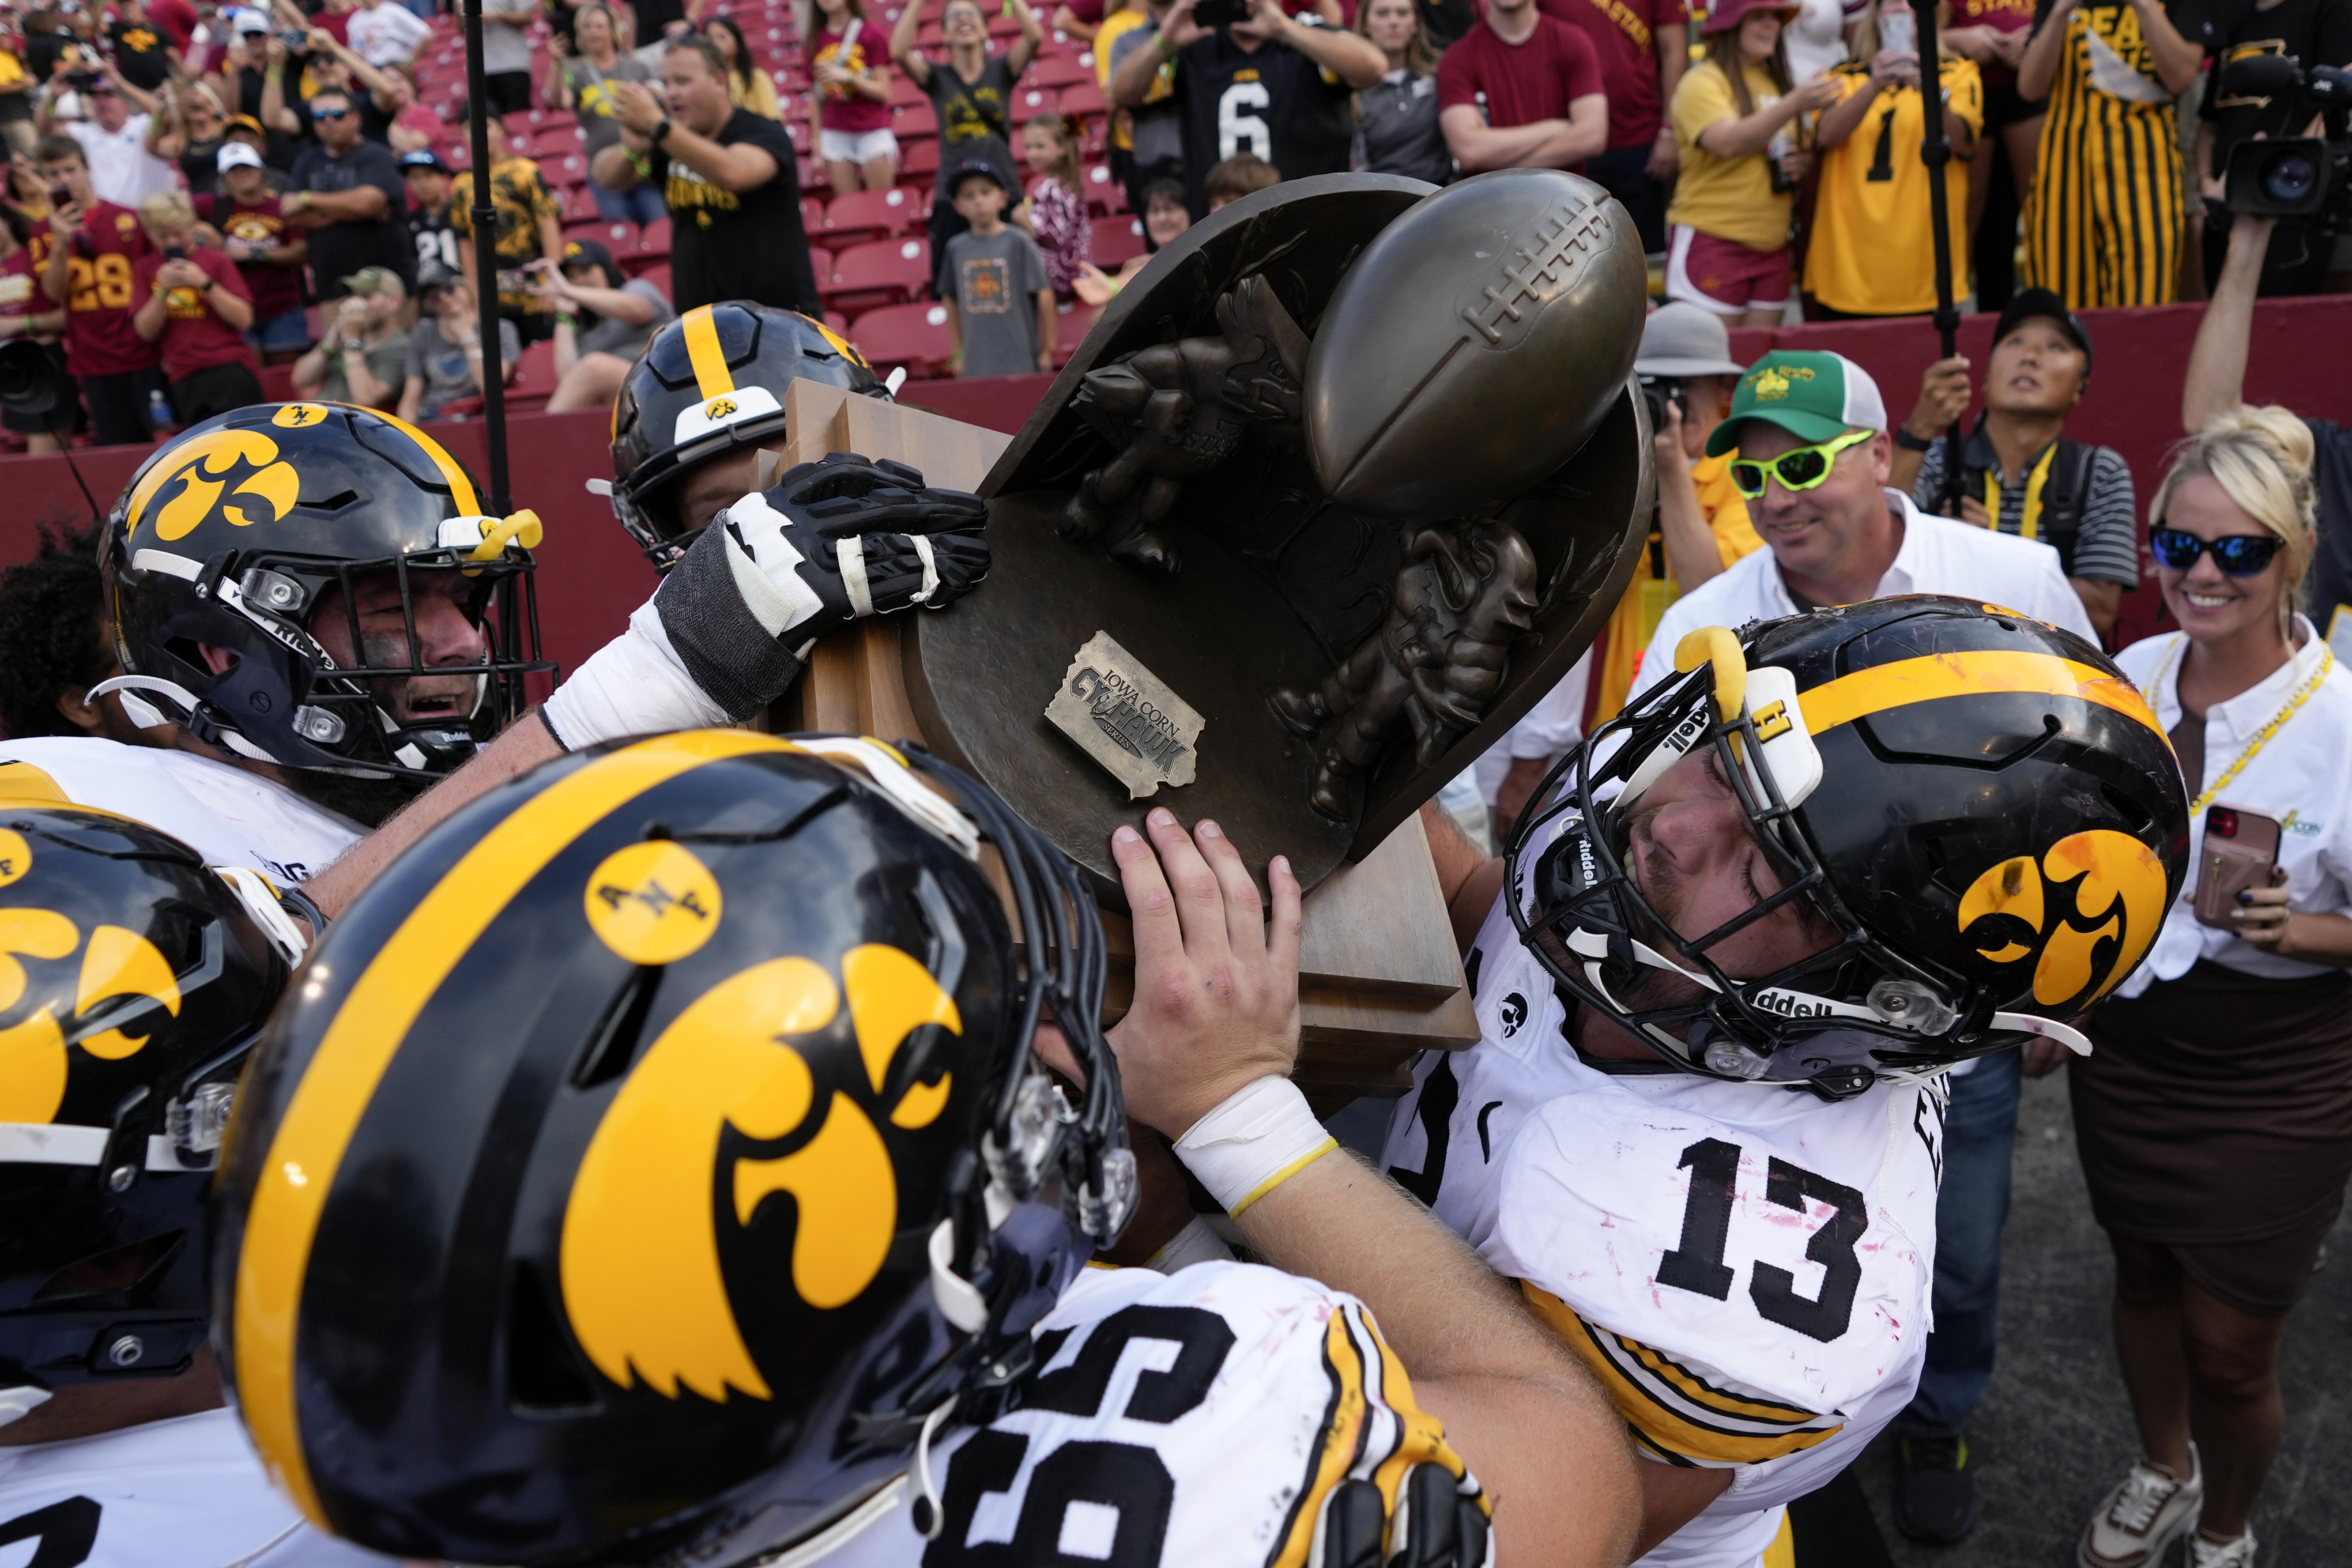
(235, 474)
(718, 408)
(642, 1281)
(2116, 876)
(116, 962)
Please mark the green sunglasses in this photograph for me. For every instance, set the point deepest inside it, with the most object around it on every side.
(1799, 468)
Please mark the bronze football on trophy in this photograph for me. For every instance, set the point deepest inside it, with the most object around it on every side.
(1475, 346)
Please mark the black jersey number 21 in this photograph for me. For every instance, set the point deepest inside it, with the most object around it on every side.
(1696, 1264)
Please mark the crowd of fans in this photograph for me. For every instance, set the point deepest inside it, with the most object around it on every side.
(807, 155)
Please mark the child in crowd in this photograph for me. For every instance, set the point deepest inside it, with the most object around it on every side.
(992, 268)
(1165, 216)
(1242, 174)
(1055, 212)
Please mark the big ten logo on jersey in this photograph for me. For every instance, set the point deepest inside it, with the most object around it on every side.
(1240, 119)
(1698, 1263)
(1076, 1471)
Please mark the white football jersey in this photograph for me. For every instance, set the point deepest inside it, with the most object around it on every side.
(228, 815)
(1193, 1420)
(183, 1493)
(1747, 1269)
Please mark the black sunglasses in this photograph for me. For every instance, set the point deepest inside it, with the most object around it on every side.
(2238, 555)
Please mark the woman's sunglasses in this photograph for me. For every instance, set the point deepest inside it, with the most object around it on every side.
(1800, 469)
(2239, 556)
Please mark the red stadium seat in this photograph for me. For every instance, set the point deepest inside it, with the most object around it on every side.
(1036, 101)
(553, 119)
(1058, 70)
(812, 216)
(618, 235)
(820, 263)
(1105, 195)
(913, 335)
(571, 168)
(919, 161)
(1084, 101)
(904, 91)
(871, 214)
(882, 272)
(277, 384)
(834, 319)
(659, 275)
(579, 203)
(915, 119)
(1072, 318)
(654, 241)
(1116, 241)
(519, 121)
(535, 379)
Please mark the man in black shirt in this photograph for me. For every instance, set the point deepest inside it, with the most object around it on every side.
(1271, 85)
(142, 53)
(348, 194)
(2216, 382)
(2311, 33)
(728, 176)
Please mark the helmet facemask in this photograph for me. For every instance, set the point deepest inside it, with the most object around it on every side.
(1836, 1019)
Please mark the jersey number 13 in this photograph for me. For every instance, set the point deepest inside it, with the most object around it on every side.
(1697, 1266)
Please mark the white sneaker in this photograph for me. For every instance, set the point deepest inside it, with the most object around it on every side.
(2142, 1518)
(2238, 1553)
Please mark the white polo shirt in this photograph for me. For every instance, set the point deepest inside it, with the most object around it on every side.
(2301, 776)
(122, 170)
(1938, 556)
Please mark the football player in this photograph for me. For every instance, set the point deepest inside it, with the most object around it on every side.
(1742, 931)
(317, 620)
(132, 983)
(655, 1166)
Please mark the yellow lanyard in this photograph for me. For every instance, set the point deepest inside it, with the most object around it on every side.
(2261, 736)
(2030, 524)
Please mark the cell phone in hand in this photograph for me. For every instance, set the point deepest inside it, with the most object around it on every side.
(2239, 850)
(176, 253)
(1220, 13)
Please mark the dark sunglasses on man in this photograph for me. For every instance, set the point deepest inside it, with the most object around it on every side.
(330, 113)
(2237, 555)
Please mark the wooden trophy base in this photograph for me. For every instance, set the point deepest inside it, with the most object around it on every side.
(1378, 977)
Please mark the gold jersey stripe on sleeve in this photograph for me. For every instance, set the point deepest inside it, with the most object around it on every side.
(358, 1048)
(1420, 1438)
(1681, 1427)
(1343, 1442)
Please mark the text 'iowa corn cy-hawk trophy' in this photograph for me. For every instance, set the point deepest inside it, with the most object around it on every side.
(1326, 500)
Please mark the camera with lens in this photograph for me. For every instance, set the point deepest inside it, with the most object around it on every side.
(1657, 390)
(2292, 176)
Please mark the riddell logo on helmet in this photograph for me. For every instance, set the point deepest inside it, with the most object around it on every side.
(722, 1113)
(231, 474)
(2118, 883)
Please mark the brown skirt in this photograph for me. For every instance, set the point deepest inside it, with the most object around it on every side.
(2217, 1109)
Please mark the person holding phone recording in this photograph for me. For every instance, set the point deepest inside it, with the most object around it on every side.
(2214, 1116)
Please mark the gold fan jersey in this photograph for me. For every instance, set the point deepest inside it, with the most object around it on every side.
(1194, 1420)
(1873, 251)
(1746, 1270)
(228, 815)
(185, 1493)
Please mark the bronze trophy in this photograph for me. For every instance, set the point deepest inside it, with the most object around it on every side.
(1331, 494)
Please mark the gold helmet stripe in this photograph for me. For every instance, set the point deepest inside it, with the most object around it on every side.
(1983, 672)
(704, 353)
(365, 1034)
(461, 489)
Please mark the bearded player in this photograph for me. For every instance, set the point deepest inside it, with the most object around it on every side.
(657, 1168)
(1718, 973)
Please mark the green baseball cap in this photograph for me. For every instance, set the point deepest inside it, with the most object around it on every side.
(1815, 396)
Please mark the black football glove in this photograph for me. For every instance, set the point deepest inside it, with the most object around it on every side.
(1436, 1524)
(829, 543)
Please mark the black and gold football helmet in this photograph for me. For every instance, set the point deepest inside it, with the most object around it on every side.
(710, 382)
(656, 1147)
(1979, 807)
(240, 532)
(132, 983)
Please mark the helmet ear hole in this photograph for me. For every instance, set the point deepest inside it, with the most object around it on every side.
(544, 1376)
(118, 1270)
(615, 1044)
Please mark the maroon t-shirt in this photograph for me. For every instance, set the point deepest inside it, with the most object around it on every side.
(2002, 17)
(176, 18)
(1623, 34)
(195, 338)
(275, 287)
(100, 294)
(1534, 80)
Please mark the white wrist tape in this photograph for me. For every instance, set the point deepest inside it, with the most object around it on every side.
(760, 554)
(633, 685)
(1196, 1243)
(1262, 1135)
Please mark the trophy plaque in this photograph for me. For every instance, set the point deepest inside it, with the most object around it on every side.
(1332, 493)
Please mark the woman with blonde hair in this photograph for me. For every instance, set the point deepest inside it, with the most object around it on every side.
(1396, 118)
(2215, 1114)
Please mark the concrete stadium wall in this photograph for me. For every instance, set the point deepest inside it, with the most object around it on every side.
(591, 575)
